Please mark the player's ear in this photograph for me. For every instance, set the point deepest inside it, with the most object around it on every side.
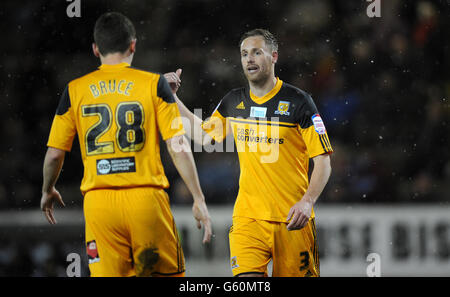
(95, 50)
(274, 57)
(133, 46)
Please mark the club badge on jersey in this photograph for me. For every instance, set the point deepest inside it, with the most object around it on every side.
(234, 263)
(283, 107)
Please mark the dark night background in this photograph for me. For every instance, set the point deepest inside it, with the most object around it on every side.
(382, 86)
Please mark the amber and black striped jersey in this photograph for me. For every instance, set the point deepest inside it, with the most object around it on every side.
(275, 136)
(118, 113)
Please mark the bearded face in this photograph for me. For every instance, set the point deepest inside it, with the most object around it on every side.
(257, 59)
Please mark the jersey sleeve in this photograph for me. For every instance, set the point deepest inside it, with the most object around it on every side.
(312, 129)
(167, 114)
(216, 126)
(63, 128)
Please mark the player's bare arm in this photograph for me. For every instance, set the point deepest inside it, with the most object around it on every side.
(174, 80)
(300, 213)
(53, 163)
(180, 152)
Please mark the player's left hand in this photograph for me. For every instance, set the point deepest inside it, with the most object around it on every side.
(174, 80)
(299, 214)
(47, 201)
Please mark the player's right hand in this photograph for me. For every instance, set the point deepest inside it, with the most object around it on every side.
(201, 215)
(174, 80)
(47, 201)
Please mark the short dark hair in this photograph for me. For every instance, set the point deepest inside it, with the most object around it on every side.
(269, 38)
(113, 32)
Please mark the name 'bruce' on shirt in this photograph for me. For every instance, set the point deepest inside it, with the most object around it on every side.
(102, 87)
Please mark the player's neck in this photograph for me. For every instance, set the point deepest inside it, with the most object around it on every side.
(261, 89)
(118, 58)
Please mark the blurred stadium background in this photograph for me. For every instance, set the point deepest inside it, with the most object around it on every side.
(382, 86)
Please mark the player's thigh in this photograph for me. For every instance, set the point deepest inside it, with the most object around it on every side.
(156, 246)
(107, 245)
(249, 247)
(296, 252)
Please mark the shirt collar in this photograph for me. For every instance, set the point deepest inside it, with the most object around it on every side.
(269, 95)
(113, 67)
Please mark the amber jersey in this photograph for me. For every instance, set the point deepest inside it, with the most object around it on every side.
(275, 136)
(119, 113)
